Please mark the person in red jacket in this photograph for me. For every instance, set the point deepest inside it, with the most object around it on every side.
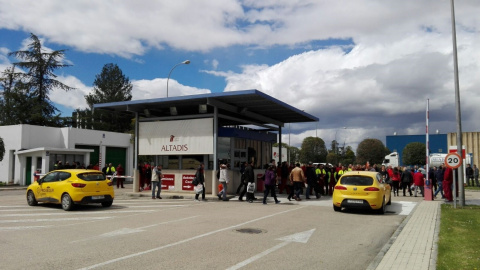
(120, 172)
(418, 179)
(447, 184)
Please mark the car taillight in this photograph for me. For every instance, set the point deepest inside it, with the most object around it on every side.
(372, 189)
(110, 183)
(340, 187)
(78, 185)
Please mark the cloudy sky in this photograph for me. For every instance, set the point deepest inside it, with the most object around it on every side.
(365, 68)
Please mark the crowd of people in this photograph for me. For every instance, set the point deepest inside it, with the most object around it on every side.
(317, 179)
(320, 179)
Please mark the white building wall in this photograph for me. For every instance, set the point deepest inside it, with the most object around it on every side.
(18, 137)
(37, 136)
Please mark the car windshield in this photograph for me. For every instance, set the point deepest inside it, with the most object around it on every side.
(93, 176)
(357, 180)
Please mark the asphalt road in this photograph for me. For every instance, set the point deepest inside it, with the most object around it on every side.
(182, 234)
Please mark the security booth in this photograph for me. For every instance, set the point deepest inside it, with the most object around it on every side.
(182, 132)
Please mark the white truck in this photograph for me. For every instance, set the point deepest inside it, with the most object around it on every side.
(391, 160)
(437, 159)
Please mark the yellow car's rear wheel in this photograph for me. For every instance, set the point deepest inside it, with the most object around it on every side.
(67, 203)
(107, 204)
(382, 209)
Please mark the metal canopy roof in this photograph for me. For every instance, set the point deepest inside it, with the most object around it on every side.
(246, 107)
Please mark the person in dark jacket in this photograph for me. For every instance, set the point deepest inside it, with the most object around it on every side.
(312, 181)
(249, 178)
(200, 175)
(439, 176)
(242, 183)
(407, 180)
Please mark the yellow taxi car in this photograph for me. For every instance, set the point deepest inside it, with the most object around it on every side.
(362, 189)
(71, 186)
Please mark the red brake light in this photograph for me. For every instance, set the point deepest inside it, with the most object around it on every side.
(109, 183)
(340, 187)
(372, 189)
(78, 185)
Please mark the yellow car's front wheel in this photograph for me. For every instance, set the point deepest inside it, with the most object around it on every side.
(31, 200)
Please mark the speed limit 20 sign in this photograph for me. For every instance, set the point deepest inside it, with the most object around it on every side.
(453, 160)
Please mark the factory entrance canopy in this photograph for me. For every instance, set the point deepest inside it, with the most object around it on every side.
(235, 108)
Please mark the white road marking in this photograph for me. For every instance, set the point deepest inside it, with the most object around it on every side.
(151, 205)
(27, 209)
(53, 219)
(124, 231)
(78, 213)
(403, 208)
(186, 240)
(18, 228)
(301, 237)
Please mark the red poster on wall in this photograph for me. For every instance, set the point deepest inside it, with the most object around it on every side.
(187, 181)
(168, 181)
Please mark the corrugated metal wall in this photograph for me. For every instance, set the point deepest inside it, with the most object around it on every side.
(471, 141)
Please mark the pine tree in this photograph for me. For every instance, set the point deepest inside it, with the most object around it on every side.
(36, 81)
(111, 85)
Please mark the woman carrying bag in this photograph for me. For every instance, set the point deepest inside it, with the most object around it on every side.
(200, 178)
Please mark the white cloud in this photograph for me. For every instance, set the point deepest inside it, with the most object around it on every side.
(215, 64)
(73, 99)
(147, 89)
(130, 28)
(375, 89)
(401, 56)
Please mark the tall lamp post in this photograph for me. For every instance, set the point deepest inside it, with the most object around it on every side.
(186, 62)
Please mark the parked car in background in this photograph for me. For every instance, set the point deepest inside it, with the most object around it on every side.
(362, 189)
(71, 186)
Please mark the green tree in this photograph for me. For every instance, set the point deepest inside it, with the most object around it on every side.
(293, 153)
(334, 147)
(349, 157)
(2, 149)
(9, 105)
(313, 149)
(38, 79)
(333, 158)
(111, 85)
(371, 150)
(414, 154)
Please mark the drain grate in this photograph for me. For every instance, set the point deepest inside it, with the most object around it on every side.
(250, 231)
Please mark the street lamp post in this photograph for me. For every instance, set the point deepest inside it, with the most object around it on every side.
(186, 62)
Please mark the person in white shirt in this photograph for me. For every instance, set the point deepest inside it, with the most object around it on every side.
(224, 179)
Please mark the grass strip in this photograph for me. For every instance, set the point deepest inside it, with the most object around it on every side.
(459, 238)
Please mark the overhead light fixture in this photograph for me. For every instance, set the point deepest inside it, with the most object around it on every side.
(186, 62)
(173, 111)
(146, 112)
(202, 108)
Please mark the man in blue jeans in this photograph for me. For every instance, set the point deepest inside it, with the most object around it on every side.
(157, 181)
(439, 176)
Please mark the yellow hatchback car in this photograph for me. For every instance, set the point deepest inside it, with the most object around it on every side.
(71, 186)
(362, 189)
